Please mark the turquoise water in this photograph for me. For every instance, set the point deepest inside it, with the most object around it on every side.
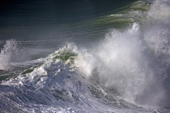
(115, 60)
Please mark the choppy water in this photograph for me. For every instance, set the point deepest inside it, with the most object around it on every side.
(113, 63)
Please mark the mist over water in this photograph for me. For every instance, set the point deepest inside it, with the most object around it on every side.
(9, 53)
(121, 70)
(135, 63)
(121, 64)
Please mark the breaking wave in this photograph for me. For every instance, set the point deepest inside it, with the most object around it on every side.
(126, 71)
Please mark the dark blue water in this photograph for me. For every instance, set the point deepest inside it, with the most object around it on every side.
(38, 12)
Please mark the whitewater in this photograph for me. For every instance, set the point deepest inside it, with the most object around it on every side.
(124, 71)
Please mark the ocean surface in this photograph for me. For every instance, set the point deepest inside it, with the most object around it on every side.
(85, 56)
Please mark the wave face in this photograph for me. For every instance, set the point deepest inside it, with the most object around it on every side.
(125, 71)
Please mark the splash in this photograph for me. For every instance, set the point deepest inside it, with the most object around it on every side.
(10, 53)
(123, 64)
(10, 49)
(119, 64)
(134, 63)
(157, 31)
